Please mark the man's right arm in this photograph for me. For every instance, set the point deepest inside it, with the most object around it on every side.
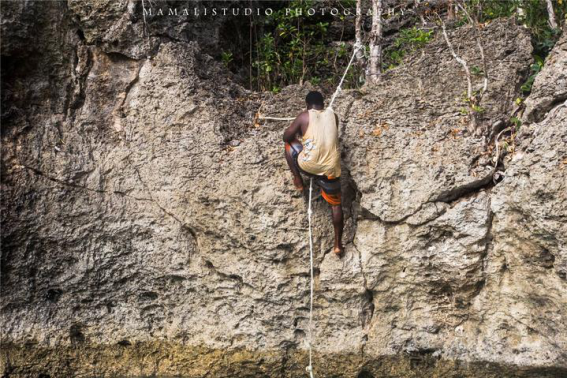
(295, 127)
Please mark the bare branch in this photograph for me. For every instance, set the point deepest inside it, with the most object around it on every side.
(457, 58)
(552, 21)
(421, 18)
(497, 158)
(276, 118)
(479, 44)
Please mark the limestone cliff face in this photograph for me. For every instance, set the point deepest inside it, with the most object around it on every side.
(150, 226)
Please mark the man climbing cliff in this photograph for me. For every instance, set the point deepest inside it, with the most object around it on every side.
(317, 156)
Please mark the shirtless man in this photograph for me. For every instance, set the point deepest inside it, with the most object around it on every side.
(317, 155)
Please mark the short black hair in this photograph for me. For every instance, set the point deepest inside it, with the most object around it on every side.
(315, 98)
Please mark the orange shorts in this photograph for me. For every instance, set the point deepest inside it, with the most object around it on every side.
(332, 199)
(330, 186)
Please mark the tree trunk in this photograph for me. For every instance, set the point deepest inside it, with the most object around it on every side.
(450, 10)
(358, 29)
(552, 21)
(521, 12)
(360, 58)
(375, 67)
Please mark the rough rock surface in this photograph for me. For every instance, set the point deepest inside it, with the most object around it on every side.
(150, 227)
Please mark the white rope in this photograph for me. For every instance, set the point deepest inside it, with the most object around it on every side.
(356, 48)
(310, 367)
(309, 212)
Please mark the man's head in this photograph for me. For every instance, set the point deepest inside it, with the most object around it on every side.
(315, 100)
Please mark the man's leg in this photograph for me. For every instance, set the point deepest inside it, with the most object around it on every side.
(297, 181)
(338, 225)
(337, 210)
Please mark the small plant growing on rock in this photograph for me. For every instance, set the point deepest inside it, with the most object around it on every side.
(534, 70)
(516, 122)
(408, 41)
(226, 58)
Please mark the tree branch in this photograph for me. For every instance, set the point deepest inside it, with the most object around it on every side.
(457, 58)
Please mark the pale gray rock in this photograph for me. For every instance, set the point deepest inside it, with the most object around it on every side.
(528, 268)
(550, 85)
(151, 226)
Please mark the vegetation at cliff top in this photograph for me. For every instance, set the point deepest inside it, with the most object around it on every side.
(292, 48)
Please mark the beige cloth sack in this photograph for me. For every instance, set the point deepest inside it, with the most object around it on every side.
(320, 154)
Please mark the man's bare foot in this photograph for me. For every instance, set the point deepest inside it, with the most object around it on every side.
(339, 251)
(298, 182)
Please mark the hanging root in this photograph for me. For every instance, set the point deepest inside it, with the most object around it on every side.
(495, 172)
(473, 98)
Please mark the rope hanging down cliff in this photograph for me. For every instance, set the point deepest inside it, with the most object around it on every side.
(309, 368)
(309, 339)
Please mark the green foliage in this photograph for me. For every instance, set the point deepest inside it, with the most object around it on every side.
(407, 41)
(477, 108)
(472, 103)
(414, 38)
(477, 71)
(516, 122)
(315, 80)
(267, 57)
(533, 15)
(348, 3)
(535, 18)
(544, 40)
(486, 10)
(534, 70)
(226, 58)
(297, 49)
